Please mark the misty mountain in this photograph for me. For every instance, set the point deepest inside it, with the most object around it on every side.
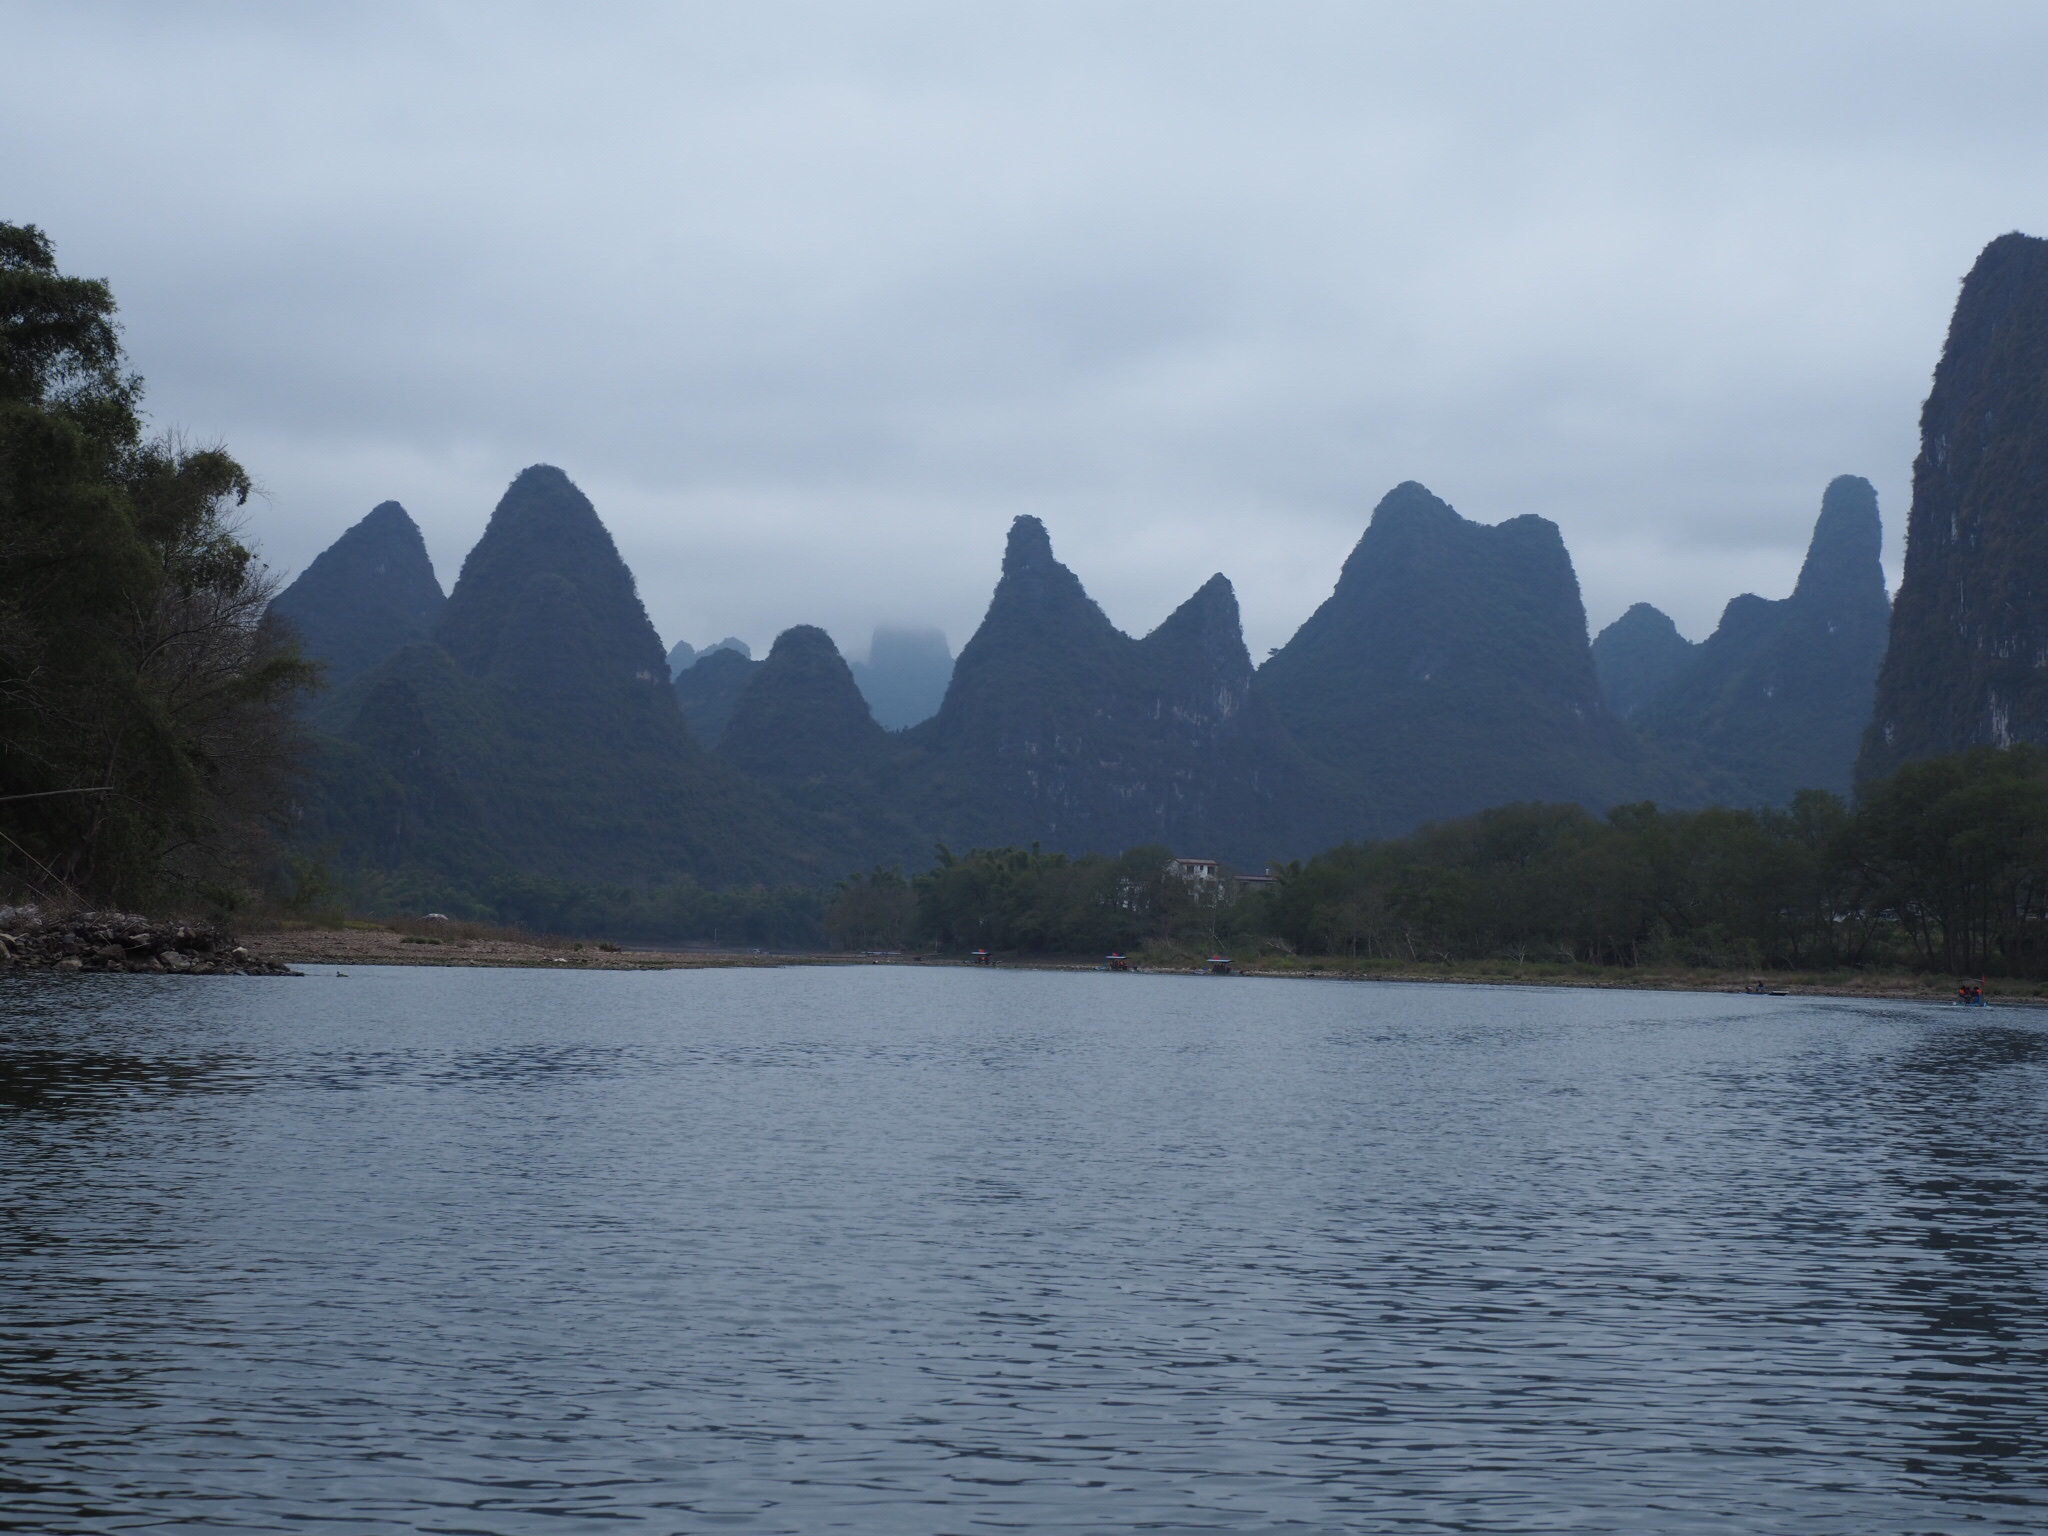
(905, 675)
(1968, 659)
(682, 655)
(1776, 699)
(1637, 656)
(370, 593)
(801, 728)
(534, 732)
(800, 715)
(1449, 671)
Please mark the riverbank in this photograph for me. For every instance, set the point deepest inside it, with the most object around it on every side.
(417, 942)
(33, 939)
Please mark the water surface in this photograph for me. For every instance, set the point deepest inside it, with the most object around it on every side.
(892, 1251)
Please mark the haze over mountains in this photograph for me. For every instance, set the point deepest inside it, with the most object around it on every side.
(532, 724)
(529, 724)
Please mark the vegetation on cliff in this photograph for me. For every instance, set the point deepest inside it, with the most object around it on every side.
(1969, 633)
(1944, 868)
(1637, 656)
(369, 594)
(1449, 670)
(1776, 699)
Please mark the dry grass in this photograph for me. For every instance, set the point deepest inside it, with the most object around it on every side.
(456, 930)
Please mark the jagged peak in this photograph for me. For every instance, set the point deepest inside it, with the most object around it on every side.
(384, 526)
(1212, 609)
(368, 593)
(386, 515)
(1029, 546)
(1411, 503)
(541, 491)
(802, 713)
(2009, 251)
(1644, 618)
(1848, 540)
(545, 524)
(801, 642)
(1035, 587)
(1206, 629)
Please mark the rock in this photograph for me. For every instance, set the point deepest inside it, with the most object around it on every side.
(125, 943)
(1969, 633)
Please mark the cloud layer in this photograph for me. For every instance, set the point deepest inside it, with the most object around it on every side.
(813, 299)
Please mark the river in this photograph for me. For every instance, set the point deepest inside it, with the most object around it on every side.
(892, 1250)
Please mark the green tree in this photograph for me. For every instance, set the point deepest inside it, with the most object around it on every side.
(145, 710)
(872, 911)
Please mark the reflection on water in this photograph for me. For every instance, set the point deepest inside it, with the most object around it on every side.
(879, 1250)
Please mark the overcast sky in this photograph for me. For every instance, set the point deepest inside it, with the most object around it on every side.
(812, 300)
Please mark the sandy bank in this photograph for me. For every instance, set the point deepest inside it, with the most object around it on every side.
(343, 947)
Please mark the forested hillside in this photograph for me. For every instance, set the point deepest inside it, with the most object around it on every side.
(1449, 671)
(1776, 699)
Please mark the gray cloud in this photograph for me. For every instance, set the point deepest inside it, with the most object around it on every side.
(814, 299)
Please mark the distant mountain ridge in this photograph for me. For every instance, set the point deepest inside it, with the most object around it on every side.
(535, 734)
(533, 730)
(1059, 728)
(1776, 699)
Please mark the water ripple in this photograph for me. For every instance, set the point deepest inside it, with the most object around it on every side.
(887, 1251)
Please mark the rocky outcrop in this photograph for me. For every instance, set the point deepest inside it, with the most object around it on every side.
(366, 596)
(1637, 656)
(1776, 699)
(1967, 664)
(1449, 671)
(31, 939)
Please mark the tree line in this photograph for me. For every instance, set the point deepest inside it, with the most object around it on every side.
(1943, 866)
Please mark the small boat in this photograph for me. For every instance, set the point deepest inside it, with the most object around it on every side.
(1219, 965)
(1116, 963)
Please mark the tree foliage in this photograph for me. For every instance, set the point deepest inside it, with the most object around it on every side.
(1943, 866)
(145, 731)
